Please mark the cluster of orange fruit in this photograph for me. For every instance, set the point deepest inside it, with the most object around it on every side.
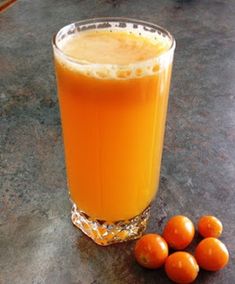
(151, 250)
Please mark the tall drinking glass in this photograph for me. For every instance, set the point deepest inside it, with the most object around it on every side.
(113, 78)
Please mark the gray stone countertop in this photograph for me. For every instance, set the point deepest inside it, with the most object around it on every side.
(38, 243)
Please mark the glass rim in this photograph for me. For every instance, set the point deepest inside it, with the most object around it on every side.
(113, 19)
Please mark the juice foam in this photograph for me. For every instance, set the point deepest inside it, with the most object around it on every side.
(114, 53)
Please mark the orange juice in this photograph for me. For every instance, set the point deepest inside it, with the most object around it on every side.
(113, 99)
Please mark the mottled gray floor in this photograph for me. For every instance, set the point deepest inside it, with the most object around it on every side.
(38, 244)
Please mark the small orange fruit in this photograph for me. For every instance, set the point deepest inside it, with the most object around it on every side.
(181, 267)
(151, 251)
(211, 254)
(179, 232)
(210, 226)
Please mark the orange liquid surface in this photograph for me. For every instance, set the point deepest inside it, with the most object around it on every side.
(113, 127)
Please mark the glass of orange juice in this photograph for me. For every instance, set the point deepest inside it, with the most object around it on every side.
(113, 78)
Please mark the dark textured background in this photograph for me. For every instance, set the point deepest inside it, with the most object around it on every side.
(38, 243)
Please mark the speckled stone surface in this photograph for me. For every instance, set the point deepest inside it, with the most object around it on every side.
(38, 243)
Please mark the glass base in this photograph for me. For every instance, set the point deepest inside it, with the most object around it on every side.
(105, 233)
